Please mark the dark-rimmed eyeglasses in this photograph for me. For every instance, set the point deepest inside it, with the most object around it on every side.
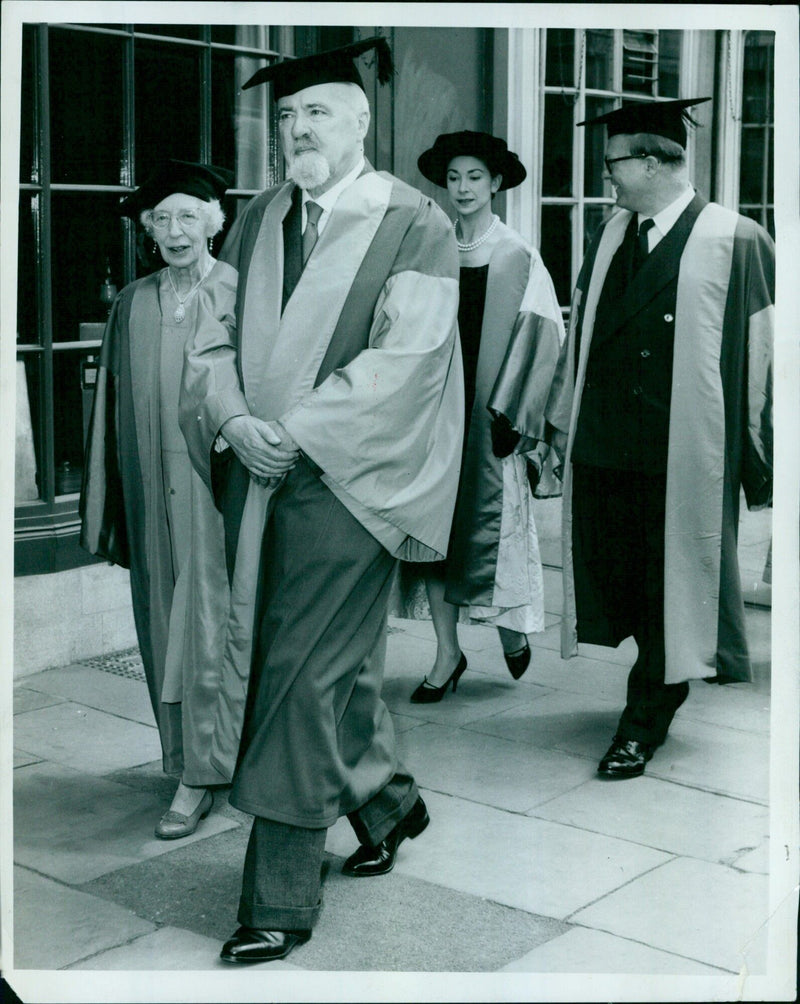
(608, 161)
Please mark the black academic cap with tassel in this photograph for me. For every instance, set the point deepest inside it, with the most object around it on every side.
(336, 66)
(661, 118)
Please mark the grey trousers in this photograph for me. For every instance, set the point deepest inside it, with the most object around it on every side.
(282, 880)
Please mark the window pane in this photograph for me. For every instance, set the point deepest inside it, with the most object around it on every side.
(254, 36)
(593, 216)
(173, 30)
(85, 107)
(757, 76)
(241, 121)
(594, 149)
(27, 483)
(27, 298)
(639, 55)
(600, 59)
(73, 391)
(557, 160)
(87, 235)
(168, 106)
(669, 63)
(27, 110)
(556, 248)
(752, 162)
(560, 70)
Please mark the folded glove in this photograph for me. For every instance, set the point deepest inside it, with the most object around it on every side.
(504, 436)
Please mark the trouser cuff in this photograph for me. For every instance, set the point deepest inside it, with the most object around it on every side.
(278, 918)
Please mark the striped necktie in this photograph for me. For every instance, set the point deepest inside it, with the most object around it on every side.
(310, 234)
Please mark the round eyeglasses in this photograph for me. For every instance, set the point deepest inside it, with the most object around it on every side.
(187, 219)
(608, 161)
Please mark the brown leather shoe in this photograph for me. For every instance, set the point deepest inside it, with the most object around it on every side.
(625, 758)
(380, 859)
(251, 944)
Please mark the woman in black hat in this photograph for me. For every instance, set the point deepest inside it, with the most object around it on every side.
(511, 334)
(142, 505)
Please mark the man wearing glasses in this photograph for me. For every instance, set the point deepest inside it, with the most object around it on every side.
(671, 344)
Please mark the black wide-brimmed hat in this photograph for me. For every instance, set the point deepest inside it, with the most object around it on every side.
(203, 181)
(660, 118)
(335, 66)
(490, 149)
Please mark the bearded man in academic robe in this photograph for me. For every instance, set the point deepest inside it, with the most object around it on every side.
(670, 347)
(330, 430)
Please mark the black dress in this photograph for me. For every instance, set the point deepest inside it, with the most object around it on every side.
(472, 297)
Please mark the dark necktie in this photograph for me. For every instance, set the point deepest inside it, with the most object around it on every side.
(310, 234)
(642, 244)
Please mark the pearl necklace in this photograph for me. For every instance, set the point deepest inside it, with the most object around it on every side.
(477, 243)
(180, 313)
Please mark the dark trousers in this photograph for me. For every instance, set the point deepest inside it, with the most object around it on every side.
(282, 879)
(618, 546)
(317, 737)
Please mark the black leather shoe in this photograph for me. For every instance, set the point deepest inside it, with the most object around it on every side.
(380, 859)
(250, 944)
(625, 758)
(517, 662)
(427, 693)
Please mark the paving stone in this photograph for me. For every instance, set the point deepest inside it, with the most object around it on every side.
(85, 739)
(432, 927)
(28, 698)
(659, 814)
(94, 688)
(532, 864)
(715, 758)
(739, 704)
(581, 950)
(74, 826)
(23, 759)
(489, 770)
(755, 859)
(553, 721)
(55, 926)
(692, 908)
(166, 949)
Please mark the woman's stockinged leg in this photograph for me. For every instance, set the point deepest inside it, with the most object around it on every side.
(445, 619)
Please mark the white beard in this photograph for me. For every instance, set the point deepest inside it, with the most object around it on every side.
(309, 169)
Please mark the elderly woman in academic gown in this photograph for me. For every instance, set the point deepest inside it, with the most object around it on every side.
(511, 336)
(143, 506)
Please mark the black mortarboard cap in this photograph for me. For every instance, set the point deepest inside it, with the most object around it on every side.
(203, 181)
(662, 118)
(336, 66)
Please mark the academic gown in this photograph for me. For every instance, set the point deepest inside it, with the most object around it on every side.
(720, 427)
(362, 368)
(144, 508)
(493, 564)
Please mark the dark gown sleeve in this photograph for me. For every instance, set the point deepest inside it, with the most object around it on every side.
(104, 530)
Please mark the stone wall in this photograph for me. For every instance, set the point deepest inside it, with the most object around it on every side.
(65, 616)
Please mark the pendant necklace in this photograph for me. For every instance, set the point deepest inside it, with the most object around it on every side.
(476, 243)
(180, 312)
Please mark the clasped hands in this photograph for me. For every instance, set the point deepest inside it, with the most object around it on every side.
(265, 448)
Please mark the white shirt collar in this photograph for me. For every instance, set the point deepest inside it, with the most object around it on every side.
(328, 199)
(668, 217)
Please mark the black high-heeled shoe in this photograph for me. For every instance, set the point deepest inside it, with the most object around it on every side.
(426, 693)
(517, 662)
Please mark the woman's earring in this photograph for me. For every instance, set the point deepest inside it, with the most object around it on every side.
(210, 245)
(155, 247)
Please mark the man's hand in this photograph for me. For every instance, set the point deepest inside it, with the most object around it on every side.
(265, 448)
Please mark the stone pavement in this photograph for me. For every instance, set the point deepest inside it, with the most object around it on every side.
(531, 864)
